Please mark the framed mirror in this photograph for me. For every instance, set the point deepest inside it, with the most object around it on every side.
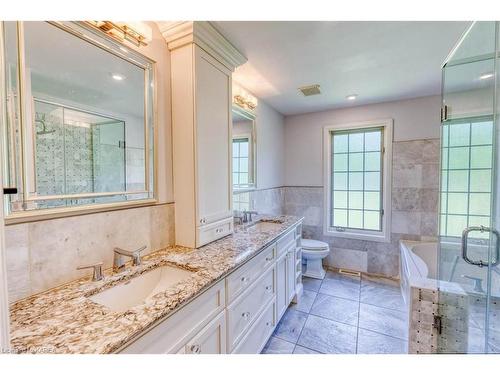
(244, 150)
(79, 115)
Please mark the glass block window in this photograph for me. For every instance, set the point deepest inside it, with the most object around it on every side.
(241, 161)
(466, 169)
(356, 179)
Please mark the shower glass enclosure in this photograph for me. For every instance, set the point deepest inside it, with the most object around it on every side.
(76, 152)
(468, 265)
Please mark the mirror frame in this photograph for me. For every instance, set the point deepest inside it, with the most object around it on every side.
(252, 117)
(99, 39)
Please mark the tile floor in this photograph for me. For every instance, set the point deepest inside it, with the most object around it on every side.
(343, 314)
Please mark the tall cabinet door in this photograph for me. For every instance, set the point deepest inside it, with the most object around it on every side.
(290, 275)
(281, 286)
(213, 136)
(211, 340)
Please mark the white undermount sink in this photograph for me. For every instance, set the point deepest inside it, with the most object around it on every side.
(265, 225)
(136, 290)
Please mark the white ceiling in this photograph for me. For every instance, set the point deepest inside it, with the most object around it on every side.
(379, 61)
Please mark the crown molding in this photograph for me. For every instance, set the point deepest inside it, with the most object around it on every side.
(202, 33)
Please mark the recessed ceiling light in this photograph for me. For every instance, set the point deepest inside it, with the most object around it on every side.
(117, 77)
(486, 76)
(351, 97)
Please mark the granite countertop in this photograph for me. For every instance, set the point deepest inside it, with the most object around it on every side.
(64, 320)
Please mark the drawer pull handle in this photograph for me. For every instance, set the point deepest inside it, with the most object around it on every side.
(269, 287)
(268, 324)
(245, 315)
(218, 230)
(244, 279)
(196, 349)
(268, 259)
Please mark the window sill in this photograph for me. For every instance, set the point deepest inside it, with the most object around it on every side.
(382, 237)
(243, 190)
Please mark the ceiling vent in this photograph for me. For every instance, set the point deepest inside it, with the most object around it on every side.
(310, 90)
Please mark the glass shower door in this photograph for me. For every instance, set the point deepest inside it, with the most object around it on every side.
(468, 272)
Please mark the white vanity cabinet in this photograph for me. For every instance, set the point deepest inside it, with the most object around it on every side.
(236, 315)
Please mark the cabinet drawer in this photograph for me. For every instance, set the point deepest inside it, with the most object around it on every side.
(244, 310)
(244, 276)
(211, 232)
(259, 333)
(173, 333)
(285, 242)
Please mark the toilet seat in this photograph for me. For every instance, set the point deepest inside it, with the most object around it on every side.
(313, 245)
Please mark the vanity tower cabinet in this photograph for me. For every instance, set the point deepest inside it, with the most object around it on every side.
(202, 62)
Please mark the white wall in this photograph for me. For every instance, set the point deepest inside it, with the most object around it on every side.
(413, 119)
(270, 147)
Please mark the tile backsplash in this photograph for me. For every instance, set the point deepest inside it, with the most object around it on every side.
(42, 255)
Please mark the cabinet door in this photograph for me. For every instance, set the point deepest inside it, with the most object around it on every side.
(281, 286)
(213, 132)
(211, 339)
(290, 275)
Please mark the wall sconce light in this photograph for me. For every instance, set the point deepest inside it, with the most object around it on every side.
(242, 98)
(138, 33)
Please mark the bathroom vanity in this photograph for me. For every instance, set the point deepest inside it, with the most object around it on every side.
(225, 297)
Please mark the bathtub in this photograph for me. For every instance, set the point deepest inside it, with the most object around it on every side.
(418, 266)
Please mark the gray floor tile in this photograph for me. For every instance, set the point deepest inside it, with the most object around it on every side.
(290, 325)
(387, 321)
(341, 287)
(303, 350)
(327, 336)
(306, 301)
(381, 294)
(375, 343)
(311, 284)
(339, 309)
(278, 346)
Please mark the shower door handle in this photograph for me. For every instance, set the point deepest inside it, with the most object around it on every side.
(482, 229)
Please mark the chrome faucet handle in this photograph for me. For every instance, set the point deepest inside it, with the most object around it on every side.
(97, 275)
(248, 215)
(134, 254)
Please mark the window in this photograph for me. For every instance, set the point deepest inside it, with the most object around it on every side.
(357, 173)
(241, 160)
(466, 167)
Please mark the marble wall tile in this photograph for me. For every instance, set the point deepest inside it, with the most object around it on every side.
(408, 152)
(406, 199)
(44, 254)
(406, 222)
(18, 261)
(406, 175)
(348, 259)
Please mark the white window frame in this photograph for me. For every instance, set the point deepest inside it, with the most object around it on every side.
(360, 234)
(250, 185)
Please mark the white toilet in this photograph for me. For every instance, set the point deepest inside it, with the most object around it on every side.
(313, 252)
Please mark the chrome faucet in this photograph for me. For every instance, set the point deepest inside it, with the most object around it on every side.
(247, 216)
(120, 254)
(97, 275)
